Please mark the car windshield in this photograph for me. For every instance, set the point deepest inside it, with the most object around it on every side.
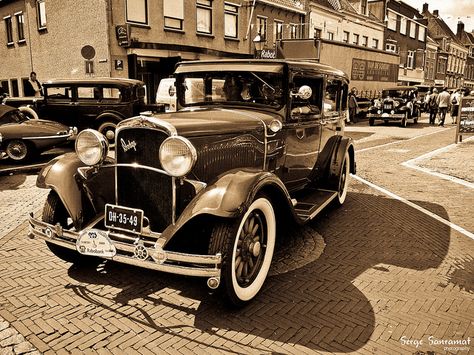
(395, 93)
(14, 116)
(239, 87)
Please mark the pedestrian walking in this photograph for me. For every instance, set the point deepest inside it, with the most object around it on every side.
(33, 86)
(443, 101)
(353, 106)
(433, 105)
(455, 99)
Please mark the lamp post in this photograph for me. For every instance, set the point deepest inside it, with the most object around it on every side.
(258, 43)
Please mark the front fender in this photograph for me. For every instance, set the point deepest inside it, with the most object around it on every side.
(59, 175)
(228, 197)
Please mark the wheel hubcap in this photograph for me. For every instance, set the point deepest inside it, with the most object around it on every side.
(249, 255)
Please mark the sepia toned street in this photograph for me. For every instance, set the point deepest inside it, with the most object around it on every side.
(389, 272)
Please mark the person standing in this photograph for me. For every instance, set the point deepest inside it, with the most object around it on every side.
(433, 105)
(455, 99)
(443, 104)
(353, 106)
(33, 86)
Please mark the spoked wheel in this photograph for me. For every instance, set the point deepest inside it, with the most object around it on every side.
(18, 150)
(54, 212)
(247, 247)
(343, 180)
(108, 130)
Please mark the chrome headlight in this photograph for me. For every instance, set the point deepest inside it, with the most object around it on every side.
(91, 147)
(177, 156)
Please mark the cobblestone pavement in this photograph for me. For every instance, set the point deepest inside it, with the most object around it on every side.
(376, 276)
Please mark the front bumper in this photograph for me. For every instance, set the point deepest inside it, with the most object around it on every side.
(127, 252)
(386, 116)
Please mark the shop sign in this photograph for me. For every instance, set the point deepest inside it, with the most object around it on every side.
(122, 34)
(370, 70)
(465, 125)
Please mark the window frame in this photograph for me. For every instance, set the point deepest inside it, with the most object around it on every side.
(206, 7)
(9, 29)
(20, 26)
(375, 43)
(365, 41)
(391, 21)
(345, 36)
(234, 13)
(421, 33)
(412, 29)
(170, 21)
(355, 39)
(403, 25)
(262, 23)
(391, 47)
(135, 22)
(410, 59)
(294, 31)
(41, 12)
(277, 30)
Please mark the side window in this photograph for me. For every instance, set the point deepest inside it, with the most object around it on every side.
(306, 108)
(89, 94)
(111, 94)
(58, 94)
(333, 97)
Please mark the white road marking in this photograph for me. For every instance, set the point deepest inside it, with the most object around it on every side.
(415, 206)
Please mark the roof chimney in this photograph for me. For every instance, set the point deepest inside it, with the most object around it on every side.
(435, 13)
(460, 29)
(425, 7)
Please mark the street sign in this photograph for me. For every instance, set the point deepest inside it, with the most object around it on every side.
(118, 64)
(465, 121)
(122, 34)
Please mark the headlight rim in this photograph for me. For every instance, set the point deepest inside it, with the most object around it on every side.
(103, 145)
(192, 150)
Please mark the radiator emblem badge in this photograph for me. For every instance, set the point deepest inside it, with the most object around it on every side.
(141, 252)
(129, 145)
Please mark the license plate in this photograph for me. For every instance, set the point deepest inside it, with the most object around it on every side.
(387, 107)
(96, 243)
(123, 218)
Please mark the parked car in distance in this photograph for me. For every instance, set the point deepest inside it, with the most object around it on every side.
(397, 104)
(98, 103)
(22, 138)
(166, 94)
(254, 146)
(363, 105)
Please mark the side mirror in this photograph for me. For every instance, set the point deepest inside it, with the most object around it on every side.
(304, 92)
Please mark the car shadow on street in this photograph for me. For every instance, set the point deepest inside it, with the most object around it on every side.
(11, 181)
(321, 305)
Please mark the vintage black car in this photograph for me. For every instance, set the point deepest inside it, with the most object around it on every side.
(98, 103)
(22, 138)
(203, 191)
(397, 104)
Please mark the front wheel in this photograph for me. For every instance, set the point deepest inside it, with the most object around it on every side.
(343, 180)
(247, 247)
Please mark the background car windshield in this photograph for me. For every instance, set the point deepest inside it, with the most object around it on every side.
(394, 93)
(14, 116)
(206, 88)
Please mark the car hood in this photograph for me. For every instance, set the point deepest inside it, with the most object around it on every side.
(33, 128)
(201, 122)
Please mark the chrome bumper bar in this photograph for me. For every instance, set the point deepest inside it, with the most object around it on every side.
(154, 258)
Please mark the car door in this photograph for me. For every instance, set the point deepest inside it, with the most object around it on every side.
(334, 108)
(302, 131)
(59, 104)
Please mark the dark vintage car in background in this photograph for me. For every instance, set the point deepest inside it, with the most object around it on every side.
(98, 103)
(22, 138)
(254, 146)
(397, 104)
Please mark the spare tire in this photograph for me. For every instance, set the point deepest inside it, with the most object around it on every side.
(28, 111)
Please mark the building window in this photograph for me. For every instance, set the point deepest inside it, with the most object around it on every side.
(365, 41)
(421, 34)
(392, 21)
(15, 90)
(293, 31)
(390, 47)
(20, 24)
(411, 59)
(345, 37)
(9, 29)
(277, 31)
(412, 29)
(6, 86)
(375, 43)
(173, 13)
(137, 11)
(317, 33)
(331, 36)
(204, 16)
(356, 39)
(41, 14)
(262, 28)
(403, 26)
(231, 15)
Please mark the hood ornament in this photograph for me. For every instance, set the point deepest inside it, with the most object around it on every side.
(129, 145)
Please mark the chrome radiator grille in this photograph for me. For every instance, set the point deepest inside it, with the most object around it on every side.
(139, 186)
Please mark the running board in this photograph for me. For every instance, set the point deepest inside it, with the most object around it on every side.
(312, 204)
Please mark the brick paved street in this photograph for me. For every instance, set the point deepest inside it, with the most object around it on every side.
(376, 276)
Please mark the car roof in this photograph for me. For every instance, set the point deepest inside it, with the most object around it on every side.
(401, 88)
(292, 64)
(5, 108)
(95, 81)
